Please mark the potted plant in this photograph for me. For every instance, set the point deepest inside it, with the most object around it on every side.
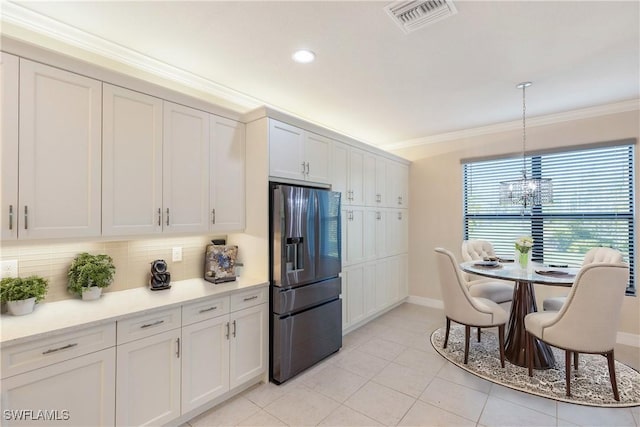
(21, 294)
(88, 274)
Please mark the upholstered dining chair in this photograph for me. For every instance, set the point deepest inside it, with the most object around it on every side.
(587, 322)
(598, 254)
(498, 291)
(462, 308)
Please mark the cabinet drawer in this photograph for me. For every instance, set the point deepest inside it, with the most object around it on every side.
(37, 354)
(249, 298)
(203, 310)
(148, 324)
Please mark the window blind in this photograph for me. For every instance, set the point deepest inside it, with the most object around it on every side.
(593, 204)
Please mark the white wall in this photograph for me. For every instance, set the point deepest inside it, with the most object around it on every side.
(436, 191)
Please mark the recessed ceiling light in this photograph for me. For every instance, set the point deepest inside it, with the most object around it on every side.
(303, 56)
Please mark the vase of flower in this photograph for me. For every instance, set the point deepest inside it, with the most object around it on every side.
(523, 252)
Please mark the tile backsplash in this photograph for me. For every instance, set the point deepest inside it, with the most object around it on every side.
(132, 260)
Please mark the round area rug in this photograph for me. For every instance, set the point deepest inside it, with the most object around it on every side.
(590, 384)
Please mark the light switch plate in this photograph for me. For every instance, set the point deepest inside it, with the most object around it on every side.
(9, 268)
(177, 254)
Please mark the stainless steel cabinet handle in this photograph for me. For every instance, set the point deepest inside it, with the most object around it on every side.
(304, 168)
(307, 168)
(378, 198)
(399, 215)
(378, 216)
(148, 325)
(167, 217)
(204, 310)
(10, 217)
(26, 214)
(227, 334)
(213, 216)
(399, 200)
(178, 348)
(234, 328)
(64, 347)
(159, 217)
(250, 298)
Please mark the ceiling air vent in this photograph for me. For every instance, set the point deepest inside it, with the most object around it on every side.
(412, 15)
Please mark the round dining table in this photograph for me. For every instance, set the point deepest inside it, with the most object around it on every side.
(523, 303)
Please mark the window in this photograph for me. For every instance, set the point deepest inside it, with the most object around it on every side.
(593, 204)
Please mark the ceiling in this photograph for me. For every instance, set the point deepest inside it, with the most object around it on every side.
(370, 80)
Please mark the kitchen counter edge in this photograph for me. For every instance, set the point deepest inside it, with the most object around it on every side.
(65, 316)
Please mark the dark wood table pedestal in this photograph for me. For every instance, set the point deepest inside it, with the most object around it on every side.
(524, 302)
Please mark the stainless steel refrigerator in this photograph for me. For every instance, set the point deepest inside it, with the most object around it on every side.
(306, 310)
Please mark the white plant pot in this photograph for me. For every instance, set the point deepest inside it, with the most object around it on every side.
(21, 307)
(91, 293)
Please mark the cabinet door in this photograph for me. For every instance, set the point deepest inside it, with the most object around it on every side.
(369, 234)
(286, 151)
(403, 185)
(248, 351)
(131, 162)
(340, 171)
(59, 153)
(369, 173)
(78, 392)
(383, 293)
(356, 176)
(382, 247)
(369, 288)
(185, 169)
(381, 181)
(354, 241)
(148, 380)
(205, 362)
(227, 184)
(9, 145)
(317, 150)
(354, 291)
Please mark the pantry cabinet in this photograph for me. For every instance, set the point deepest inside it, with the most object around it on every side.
(358, 234)
(227, 170)
(348, 175)
(59, 153)
(9, 73)
(298, 154)
(185, 169)
(131, 162)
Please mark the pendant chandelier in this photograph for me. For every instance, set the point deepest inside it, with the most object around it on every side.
(527, 191)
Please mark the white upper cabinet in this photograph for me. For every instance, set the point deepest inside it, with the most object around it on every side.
(59, 153)
(297, 154)
(131, 162)
(397, 189)
(9, 71)
(381, 181)
(227, 182)
(185, 171)
(348, 173)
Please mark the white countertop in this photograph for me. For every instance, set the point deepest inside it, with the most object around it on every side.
(68, 315)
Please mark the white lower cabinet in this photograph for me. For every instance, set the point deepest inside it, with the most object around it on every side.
(205, 362)
(77, 392)
(148, 380)
(248, 344)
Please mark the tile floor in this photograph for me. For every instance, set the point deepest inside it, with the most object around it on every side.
(388, 374)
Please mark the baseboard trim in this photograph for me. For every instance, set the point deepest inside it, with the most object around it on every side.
(427, 302)
(623, 338)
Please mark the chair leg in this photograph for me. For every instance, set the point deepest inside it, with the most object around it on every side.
(575, 360)
(478, 334)
(567, 365)
(529, 339)
(612, 375)
(446, 334)
(501, 343)
(467, 332)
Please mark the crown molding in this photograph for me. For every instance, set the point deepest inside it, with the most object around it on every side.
(584, 113)
(21, 17)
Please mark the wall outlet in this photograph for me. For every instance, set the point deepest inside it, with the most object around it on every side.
(9, 268)
(177, 254)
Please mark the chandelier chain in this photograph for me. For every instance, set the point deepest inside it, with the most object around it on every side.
(524, 133)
